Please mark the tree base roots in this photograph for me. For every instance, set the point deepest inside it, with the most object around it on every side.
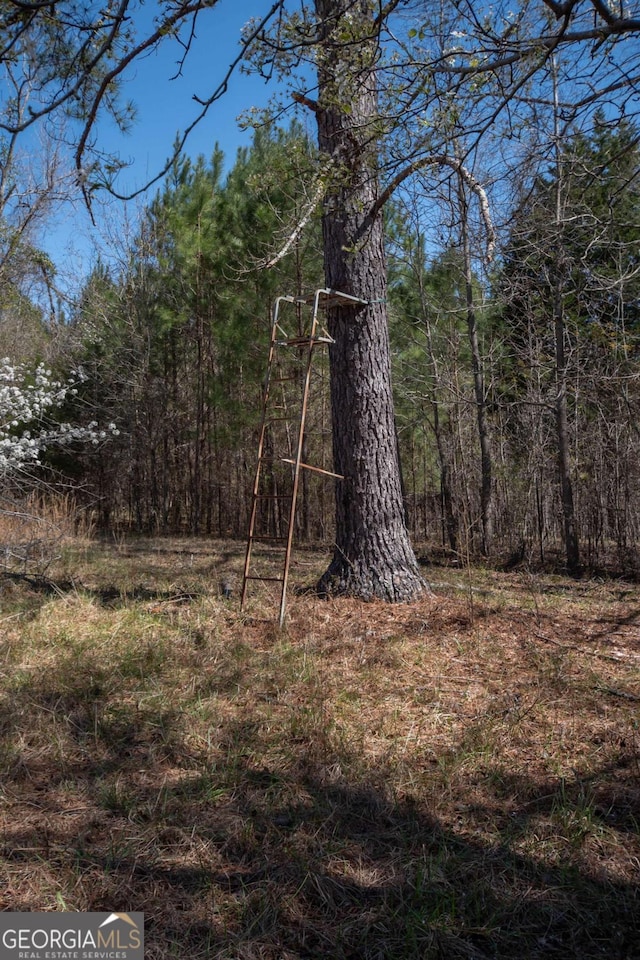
(400, 585)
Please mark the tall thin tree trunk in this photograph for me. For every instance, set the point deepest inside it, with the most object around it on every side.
(451, 522)
(444, 459)
(373, 555)
(571, 543)
(486, 465)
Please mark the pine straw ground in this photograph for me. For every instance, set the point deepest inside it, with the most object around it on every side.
(455, 778)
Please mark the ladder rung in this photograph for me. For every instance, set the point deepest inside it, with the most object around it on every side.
(269, 461)
(266, 579)
(273, 496)
(268, 538)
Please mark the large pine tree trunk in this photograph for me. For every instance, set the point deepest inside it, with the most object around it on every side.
(373, 556)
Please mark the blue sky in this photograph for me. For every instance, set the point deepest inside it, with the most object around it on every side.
(164, 107)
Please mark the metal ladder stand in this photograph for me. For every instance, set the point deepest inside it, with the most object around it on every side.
(276, 409)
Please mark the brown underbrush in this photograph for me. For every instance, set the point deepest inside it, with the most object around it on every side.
(454, 778)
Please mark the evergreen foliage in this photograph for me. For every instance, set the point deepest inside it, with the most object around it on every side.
(183, 334)
(173, 347)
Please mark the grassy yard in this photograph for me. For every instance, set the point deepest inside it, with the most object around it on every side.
(455, 778)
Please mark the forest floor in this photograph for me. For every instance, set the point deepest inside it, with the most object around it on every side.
(454, 778)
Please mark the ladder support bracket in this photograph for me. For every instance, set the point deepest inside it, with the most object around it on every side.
(307, 466)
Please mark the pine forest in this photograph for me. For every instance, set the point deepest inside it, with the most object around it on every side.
(172, 341)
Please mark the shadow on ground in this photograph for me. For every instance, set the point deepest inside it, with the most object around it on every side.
(232, 857)
(108, 596)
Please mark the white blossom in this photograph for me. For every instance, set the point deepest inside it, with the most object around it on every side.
(27, 400)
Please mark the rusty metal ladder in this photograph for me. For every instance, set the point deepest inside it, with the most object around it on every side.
(273, 412)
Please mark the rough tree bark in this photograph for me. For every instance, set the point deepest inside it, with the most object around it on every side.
(373, 557)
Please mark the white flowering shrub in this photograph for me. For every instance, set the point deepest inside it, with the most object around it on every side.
(28, 402)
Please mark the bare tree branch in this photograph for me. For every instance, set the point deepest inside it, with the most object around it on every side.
(298, 229)
(461, 170)
(220, 90)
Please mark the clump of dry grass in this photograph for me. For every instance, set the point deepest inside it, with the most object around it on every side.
(454, 778)
(35, 528)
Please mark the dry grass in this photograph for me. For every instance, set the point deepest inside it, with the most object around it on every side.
(35, 528)
(455, 778)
